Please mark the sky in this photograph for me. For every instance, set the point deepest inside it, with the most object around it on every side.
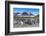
(34, 11)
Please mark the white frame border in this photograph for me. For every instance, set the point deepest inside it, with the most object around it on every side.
(24, 29)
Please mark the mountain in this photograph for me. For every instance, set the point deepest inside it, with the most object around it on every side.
(27, 13)
(15, 14)
(31, 14)
(24, 13)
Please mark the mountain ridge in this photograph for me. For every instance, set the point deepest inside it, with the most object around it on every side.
(24, 13)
